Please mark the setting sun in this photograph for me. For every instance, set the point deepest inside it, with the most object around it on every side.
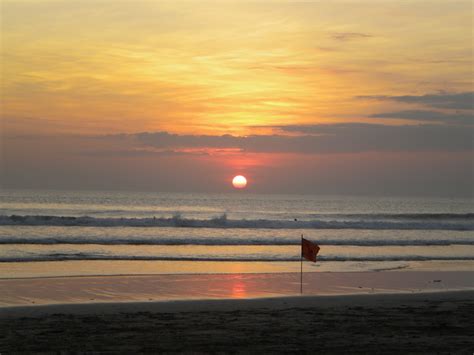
(128, 129)
(239, 182)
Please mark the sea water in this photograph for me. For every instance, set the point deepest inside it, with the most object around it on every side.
(48, 233)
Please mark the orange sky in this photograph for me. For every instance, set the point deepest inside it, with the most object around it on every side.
(76, 71)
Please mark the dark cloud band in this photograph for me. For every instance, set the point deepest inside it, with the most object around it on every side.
(323, 138)
(431, 116)
(458, 101)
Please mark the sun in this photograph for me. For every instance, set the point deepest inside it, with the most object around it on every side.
(239, 181)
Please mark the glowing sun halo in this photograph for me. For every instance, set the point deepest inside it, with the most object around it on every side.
(239, 182)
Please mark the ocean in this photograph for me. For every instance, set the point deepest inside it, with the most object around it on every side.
(52, 233)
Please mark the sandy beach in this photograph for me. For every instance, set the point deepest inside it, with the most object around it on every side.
(336, 317)
(404, 323)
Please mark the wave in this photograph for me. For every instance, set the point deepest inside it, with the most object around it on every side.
(397, 216)
(232, 241)
(83, 256)
(455, 222)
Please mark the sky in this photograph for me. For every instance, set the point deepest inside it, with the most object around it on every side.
(309, 97)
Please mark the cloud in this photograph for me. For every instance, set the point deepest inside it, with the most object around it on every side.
(164, 140)
(349, 36)
(432, 116)
(320, 139)
(140, 153)
(374, 159)
(331, 129)
(365, 137)
(459, 101)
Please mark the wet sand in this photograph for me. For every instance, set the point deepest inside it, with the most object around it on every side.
(151, 288)
(428, 323)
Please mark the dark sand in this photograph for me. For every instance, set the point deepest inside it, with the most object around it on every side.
(428, 323)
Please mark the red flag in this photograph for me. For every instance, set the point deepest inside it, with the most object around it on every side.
(309, 250)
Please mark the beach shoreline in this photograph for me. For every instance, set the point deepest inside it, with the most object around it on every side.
(341, 312)
(153, 288)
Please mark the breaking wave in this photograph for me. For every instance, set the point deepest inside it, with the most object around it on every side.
(373, 221)
(229, 241)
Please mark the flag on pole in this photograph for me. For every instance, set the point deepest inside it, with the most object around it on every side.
(309, 250)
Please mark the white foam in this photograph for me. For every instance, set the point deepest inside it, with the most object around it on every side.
(412, 223)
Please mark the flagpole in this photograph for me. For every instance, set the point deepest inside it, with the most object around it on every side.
(301, 260)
